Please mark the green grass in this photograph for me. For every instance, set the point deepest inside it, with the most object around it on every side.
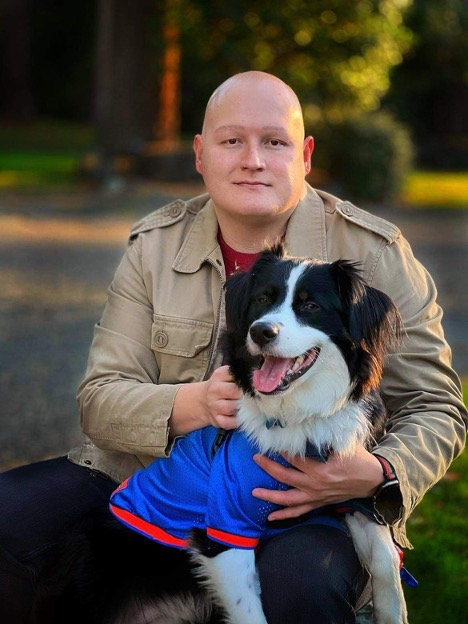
(438, 532)
(42, 155)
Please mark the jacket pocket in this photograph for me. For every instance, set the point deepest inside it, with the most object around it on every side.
(181, 347)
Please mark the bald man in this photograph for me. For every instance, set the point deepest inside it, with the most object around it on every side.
(155, 373)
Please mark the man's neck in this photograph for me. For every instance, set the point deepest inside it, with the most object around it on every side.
(249, 237)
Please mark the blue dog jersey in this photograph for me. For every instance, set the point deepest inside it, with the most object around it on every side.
(194, 488)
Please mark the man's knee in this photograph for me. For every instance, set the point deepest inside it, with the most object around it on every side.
(312, 572)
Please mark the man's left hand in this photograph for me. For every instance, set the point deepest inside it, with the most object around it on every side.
(315, 484)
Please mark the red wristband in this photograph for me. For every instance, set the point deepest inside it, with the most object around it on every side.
(387, 468)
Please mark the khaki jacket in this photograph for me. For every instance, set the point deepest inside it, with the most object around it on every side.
(165, 312)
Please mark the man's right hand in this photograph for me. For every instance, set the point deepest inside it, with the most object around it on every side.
(211, 402)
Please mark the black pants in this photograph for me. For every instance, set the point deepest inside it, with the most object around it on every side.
(309, 574)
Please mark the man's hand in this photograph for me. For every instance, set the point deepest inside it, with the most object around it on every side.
(203, 403)
(221, 397)
(315, 484)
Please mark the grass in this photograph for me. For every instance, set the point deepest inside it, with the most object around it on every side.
(437, 530)
(431, 189)
(41, 156)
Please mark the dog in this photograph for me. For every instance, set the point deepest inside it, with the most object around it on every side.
(306, 342)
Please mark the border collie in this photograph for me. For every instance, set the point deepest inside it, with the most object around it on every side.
(306, 343)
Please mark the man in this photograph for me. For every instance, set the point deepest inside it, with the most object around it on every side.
(154, 370)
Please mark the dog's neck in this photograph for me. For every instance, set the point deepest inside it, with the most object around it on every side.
(340, 431)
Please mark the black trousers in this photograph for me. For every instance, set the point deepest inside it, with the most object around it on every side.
(308, 574)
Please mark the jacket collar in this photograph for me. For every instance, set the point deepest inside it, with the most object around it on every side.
(305, 235)
(201, 243)
(306, 232)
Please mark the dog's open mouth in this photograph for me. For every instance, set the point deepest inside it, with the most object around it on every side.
(277, 374)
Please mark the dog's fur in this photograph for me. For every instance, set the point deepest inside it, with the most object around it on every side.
(306, 344)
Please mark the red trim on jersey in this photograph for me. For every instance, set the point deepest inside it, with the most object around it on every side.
(232, 539)
(148, 529)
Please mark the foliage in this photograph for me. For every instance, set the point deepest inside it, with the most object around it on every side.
(370, 156)
(336, 54)
(429, 90)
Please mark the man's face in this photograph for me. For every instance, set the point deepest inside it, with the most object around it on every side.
(252, 153)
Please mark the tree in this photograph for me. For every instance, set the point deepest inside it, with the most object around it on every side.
(126, 77)
(167, 126)
(15, 80)
(430, 89)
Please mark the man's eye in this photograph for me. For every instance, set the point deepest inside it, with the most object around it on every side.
(232, 141)
(276, 142)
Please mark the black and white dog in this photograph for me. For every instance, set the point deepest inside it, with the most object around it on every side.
(306, 343)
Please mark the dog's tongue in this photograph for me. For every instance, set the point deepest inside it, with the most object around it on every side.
(269, 376)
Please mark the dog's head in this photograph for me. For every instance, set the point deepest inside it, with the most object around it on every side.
(297, 320)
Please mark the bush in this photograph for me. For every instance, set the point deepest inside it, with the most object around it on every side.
(367, 157)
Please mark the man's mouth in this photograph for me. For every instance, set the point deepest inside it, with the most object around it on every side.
(277, 374)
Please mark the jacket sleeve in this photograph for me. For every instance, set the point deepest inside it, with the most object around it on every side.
(427, 422)
(122, 407)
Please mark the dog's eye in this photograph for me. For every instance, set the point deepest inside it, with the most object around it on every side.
(263, 300)
(309, 306)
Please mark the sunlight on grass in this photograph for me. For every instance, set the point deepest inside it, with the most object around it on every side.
(437, 530)
(436, 189)
(37, 169)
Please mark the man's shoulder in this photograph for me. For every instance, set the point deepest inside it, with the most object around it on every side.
(168, 215)
(343, 209)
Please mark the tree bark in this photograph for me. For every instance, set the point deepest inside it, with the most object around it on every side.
(167, 127)
(16, 101)
(126, 82)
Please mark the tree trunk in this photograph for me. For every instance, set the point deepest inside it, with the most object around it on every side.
(126, 81)
(167, 127)
(16, 101)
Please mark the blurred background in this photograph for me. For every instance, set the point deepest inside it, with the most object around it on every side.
(99, 101)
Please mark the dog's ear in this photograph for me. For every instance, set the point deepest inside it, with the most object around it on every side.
(374, 322)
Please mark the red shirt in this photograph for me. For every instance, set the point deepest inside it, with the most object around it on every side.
(235, 260)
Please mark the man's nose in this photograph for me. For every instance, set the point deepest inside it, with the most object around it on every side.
(252, 157)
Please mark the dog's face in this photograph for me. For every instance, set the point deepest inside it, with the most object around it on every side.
(293, 321)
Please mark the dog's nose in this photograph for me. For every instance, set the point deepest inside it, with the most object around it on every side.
(263, 333)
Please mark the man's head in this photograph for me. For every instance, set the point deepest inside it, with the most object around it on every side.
(252, 153)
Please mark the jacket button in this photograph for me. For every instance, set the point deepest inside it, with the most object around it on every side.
(175, 211)
(88, 462)
(348, 210)
(161, 339)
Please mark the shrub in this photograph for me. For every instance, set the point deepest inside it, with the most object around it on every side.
(367, 157)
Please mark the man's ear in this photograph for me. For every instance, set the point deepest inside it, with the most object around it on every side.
(307, 153)
(198, 149)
